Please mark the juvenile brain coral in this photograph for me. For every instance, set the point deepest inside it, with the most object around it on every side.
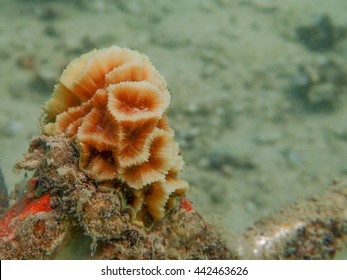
(111, 103)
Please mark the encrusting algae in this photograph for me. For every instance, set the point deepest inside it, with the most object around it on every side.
(111, 103)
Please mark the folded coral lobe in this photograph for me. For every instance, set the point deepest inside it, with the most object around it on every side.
(112, 103)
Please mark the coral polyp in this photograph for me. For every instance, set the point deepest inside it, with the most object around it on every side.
(112, 103)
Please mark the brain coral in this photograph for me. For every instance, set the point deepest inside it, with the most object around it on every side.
(111, 103)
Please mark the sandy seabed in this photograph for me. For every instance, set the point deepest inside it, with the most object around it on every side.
(260, 116)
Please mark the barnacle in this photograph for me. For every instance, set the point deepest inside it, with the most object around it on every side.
(111, 103)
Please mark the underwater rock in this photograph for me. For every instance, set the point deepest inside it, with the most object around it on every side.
(81, 206)
(319, 85)
(322, 35)
(27, 61)
(219, 159)
(30, 230)
(49, 12)
(322, 94)
(42, 82)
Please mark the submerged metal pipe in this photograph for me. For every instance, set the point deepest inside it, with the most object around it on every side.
(315, 228)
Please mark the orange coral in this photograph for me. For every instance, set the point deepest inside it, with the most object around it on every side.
(111, 103)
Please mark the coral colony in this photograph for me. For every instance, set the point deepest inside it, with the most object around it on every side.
(112, 103)
(105, 172)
